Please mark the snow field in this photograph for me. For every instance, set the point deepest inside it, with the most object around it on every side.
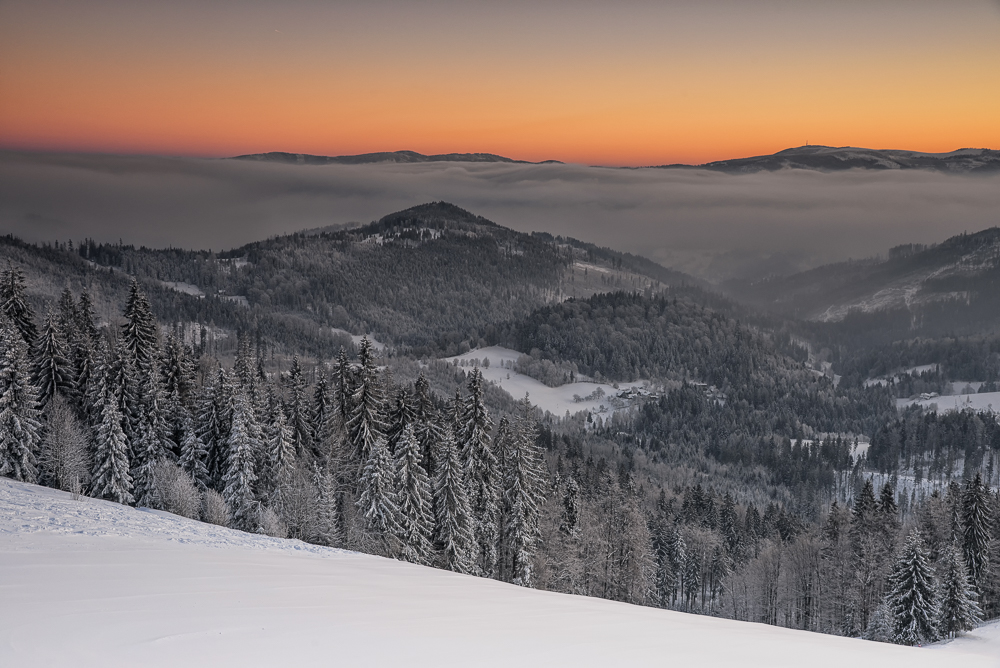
(987, 401)
(92, 583)
(556, 400)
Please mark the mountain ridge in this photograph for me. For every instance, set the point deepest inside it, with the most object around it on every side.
(381, 156)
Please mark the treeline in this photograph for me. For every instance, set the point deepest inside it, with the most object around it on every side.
(355, 462)
(975, 358)
(866, 570)
(938, 446)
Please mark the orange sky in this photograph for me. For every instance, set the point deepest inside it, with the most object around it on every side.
(637, 83)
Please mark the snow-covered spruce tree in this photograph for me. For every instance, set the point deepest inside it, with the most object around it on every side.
(343, 386)
(880, 625)
(111, 478)
(139, 342)
(504, 448)
(959, 608)
(83, 353)
(569, 518)
(194, 454)
(912, 598)
(323, 416)
(214, 417)
(482, 476)
(63, 456)
(280, 455)
(367, 422)
(415, 503)
(426, 425)
(524, 483)
(401, 416)
(50, 365)
(378, 501)
(20, 429)
(147, 451)
(976, 530)
(15, 306)
(241, 454)
(298, 409)
(328, 528)
(453, 530)
(870, 556)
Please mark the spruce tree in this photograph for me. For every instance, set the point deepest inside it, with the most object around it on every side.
(523, 492)
(214, 417)
(322, 416)
(912, 598)
(402, 416)
(328, 530)
(281, 455)
(453, 530)
(147, 452)
(959, 609)
(50, 365)
(111, 478)
(569, 519)
(241, 455)
(378, 501)
(14, 305)
(298, 409)
(194, 453)
(367, 422)
(139, 342)
(482, 475)
(426, 428)
(415, 503)
(343, 376)
(976, 530)
(20, 429)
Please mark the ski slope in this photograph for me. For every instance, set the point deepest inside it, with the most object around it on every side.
(92, 583)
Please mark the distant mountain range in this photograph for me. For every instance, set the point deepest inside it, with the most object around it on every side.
(384, 156)
(817, 158)
(830, 158)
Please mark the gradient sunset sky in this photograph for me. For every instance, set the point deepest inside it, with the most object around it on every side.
(625, 83)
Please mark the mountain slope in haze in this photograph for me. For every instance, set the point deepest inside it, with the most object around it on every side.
(951, 287)
(830, 158)
(94, 583)
(383, 156)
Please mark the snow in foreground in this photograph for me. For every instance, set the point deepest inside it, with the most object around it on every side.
(92, 583)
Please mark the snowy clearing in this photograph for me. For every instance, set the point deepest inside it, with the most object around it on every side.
(987, 401)
(93, 583)
(556, 400)
(186, 288)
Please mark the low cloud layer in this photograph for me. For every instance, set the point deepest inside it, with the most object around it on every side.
(711, 224)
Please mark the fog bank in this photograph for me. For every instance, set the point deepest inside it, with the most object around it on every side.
(714, 225)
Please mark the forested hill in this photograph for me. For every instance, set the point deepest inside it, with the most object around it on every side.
(944, 289)
(758, 382)
(430, 278)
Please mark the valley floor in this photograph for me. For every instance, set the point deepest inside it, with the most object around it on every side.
(92, 583)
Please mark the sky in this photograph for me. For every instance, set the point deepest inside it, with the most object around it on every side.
(625, 83)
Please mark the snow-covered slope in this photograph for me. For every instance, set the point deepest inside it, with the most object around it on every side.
(569, 398)
(92, 583)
